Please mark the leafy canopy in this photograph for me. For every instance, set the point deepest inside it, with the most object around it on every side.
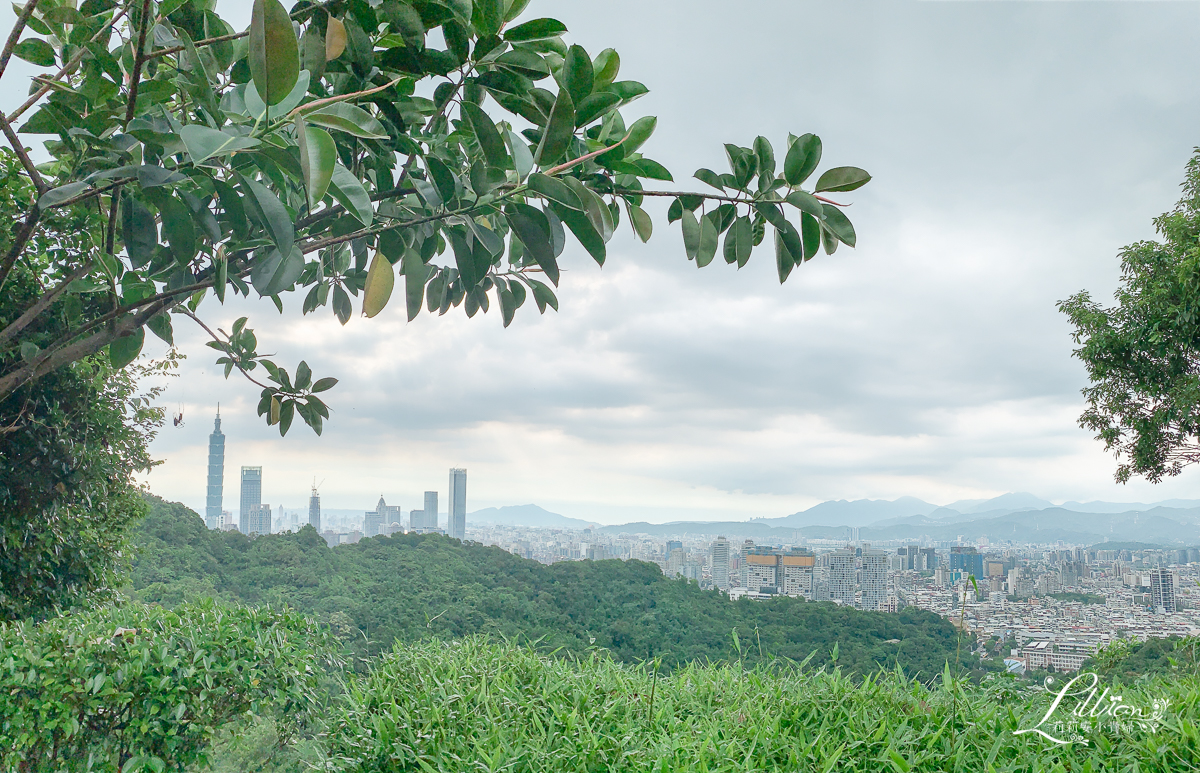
(1143, 355)
(332, 149)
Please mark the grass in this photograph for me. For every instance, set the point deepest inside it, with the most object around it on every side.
(472, 705)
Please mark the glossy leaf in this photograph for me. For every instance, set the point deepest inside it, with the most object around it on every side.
(56, 196)
(709, 238)
(276, 272)
(318, 156)
(810, 230)
(691, 233)
(178, 228)
(351, 194)
(335, 39)
(803, 156)
(350, 119)
(160, 325)
(274, 51)
(35, 51)
(595, 105)
(785, 261)
(488, 16)
(257, 108)
(125, 350)
(584, 231)
(837, 222)
(638, 133)
(643, 226)
(554, 190)
(416, 274)
(381, 278)
(536, 29)
(275, 215)
(139, 231)
(577, 74)
(532, 228)
(203, 143)
(842, 178)
(559, 131)
(486, 134)
(543, 295)
(806, 202)
(522, 158)
(606, 65)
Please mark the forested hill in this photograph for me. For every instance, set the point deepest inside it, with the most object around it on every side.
(410, 587)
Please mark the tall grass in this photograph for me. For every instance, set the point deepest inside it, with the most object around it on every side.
(478, 706)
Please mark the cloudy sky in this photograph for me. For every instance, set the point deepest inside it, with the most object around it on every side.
(1016, 147)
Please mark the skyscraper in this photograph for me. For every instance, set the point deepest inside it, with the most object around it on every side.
(456, 525)
(875, 564)
(251, 497)
(1162, 591)
(842, 576)
(373, 519)
(431, 511)
(720, 563)
(314, 509)
(216, 475)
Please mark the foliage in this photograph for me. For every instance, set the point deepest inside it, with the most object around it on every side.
(473, 705)
(302, 156)
(1141, 355)
(70, 442)
(1083, 598)
(410, 587)
(1131, 660)
(134, 688)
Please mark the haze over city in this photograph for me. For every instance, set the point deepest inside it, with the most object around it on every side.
(930, 361)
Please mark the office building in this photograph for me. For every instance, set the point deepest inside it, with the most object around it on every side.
(966, 560)
(760, 570)
(842, 576)
(314, 510)
(373, 519)
(416, 521)
(720, 563)
(258, 520)
(216, 475)
(796, 570)
(251, 497)
(875, 564)
(1162, 591)
(456, 522)
(431, 511)
(672, 544)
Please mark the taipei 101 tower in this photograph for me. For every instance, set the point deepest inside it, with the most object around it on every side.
(216, 475)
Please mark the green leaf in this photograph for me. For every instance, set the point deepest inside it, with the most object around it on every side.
(416, 274)
(351, 194)
(325, 384)
(577, 74)
(203, 143)
(522, 158)
(806, 202)
(802, 158)
(582, 227)
(274, 273)
(606, 65)
(691, 233)
(378, 289)
(125, 350)
(739, 241)
(178, 228)
(405, 20)
(638, 133)
(318, 156)
(810, 229)
(536, 29)
(643, 226)
(139, 231)
(274, 51)
(532, 228)
(56, 196)
(559, 131)
(350, 119)
(554, 190)
(488, 16)
(595, 209)
(709, 177)
(543, 295)
(257, 109)
(35, 51)
(312, 51)
(765, 156)
(784, 260)
(442, 178)
(842, 178)
(595, 105)
(160, 325)
(29, 351)
(709, 237)
(837, 222)
(791, 239)
(652, 170)
(486, 134)
(275, 215)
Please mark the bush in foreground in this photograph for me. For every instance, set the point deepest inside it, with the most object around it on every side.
(133, 688)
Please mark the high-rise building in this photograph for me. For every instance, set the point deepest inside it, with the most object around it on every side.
(216, 475)
(373, 519)
(720, 563)
(251, 497)
(842, 576)
(416, 521)
(456, 522)
(258, 520)
(1162, 591)
(966, 560)
(314, 509)
(431, 511)
(875, 564)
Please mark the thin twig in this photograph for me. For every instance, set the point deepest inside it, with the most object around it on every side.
(577, 161)
(188, 312)
(18, 244)
(303, 109)
(138, 60)
(15, 35)
(33, 311)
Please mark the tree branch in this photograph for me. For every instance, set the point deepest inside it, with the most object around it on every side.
(33, 311)
(15, 35)
(215, 337)
(18, 245)
(139, 59)
(23, 155)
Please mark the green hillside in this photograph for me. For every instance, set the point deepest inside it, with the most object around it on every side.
(410, 587)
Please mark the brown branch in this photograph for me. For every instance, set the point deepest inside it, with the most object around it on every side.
(232, 36)
(111, 240)
(577, 161)
(338, 209)
(303, 109)
(68, 69)
(23, 155)
(138, 60)
(90, 194)
(15, 35)
(18, 244)
(10, 332)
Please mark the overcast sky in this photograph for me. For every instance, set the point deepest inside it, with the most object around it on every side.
(1015, 146)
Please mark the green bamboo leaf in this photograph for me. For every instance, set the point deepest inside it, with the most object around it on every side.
(378, 289)
(318, 156)
(559, 131)
(274, 51)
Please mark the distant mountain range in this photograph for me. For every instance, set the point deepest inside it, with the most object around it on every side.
(530, 516)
